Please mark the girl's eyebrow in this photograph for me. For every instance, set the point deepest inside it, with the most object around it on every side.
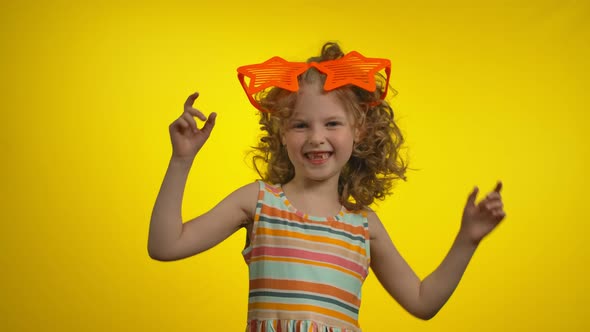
(326, 119)
(335, 117)
(296, 119)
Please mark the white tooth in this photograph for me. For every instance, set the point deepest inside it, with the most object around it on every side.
(318, 155)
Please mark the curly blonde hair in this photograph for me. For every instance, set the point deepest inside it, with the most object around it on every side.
(375, 161)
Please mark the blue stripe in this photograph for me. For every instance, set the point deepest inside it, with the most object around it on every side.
(283, 222)
(303, 296)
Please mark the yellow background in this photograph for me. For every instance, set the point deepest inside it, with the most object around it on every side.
(487, 90)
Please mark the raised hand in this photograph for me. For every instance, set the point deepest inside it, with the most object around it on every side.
(187, 139)
(481, 218)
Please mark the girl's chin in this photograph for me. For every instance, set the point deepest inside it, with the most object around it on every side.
(316, 176)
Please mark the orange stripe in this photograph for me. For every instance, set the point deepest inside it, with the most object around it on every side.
(312, 238)
(307, 262)
(326, 248)
(306, 286)
(303, 307)
(276, 212)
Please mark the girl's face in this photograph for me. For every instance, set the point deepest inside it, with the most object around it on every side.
(319, 135)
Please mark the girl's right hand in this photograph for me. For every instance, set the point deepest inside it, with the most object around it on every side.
(187, 139)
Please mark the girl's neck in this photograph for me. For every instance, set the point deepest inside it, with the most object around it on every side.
(317, 198)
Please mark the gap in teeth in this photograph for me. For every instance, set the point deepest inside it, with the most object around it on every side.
(318, 156)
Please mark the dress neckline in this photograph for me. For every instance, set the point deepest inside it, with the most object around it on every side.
(304, 215)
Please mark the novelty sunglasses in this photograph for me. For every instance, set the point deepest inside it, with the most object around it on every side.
(353, 68)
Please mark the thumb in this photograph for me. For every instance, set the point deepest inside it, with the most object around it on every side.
(472, 196)
(498, 186)
(209, 124)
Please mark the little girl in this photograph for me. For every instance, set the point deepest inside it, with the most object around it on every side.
(330, 149)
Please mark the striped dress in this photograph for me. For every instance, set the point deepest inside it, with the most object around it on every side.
(305, 272)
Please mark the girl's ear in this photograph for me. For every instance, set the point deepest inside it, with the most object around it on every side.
(358, 133)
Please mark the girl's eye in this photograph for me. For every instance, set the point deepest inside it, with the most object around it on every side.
(299, 125)
(333, 124)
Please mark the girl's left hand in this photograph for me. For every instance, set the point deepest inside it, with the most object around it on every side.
(481, 218)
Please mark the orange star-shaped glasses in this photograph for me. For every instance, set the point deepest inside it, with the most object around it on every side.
(353, 68)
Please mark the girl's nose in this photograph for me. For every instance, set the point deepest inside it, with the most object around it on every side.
(316, 137)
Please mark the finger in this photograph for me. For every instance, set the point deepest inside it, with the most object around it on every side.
(498, 187)
(190, 100)
(499, 214)
(180, 123)
(208, 126)
(190, 120)
(472, 196)
(492, 205)
(195, 112)
(494, 195)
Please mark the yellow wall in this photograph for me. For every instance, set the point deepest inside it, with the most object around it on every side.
(487, 92)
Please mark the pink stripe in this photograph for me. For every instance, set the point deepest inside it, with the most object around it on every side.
(304, 254)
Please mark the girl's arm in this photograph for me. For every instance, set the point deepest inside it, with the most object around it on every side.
(170, 238)
(424, 299)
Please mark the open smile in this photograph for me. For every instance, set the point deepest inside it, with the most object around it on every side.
(318, 157)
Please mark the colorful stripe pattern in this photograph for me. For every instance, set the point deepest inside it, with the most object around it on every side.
(306, 272)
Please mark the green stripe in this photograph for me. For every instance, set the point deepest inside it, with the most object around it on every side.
(304, 272)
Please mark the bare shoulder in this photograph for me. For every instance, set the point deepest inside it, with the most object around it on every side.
(235, 211)
(376, 229)
(246, 198)
(207, 230)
